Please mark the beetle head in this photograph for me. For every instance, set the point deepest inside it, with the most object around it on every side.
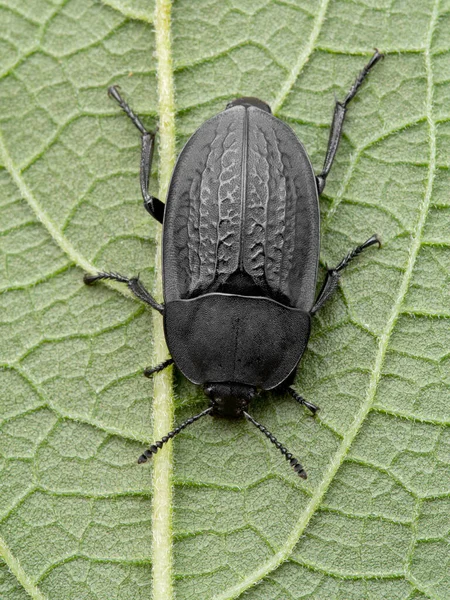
(229, 399)
(250, 101)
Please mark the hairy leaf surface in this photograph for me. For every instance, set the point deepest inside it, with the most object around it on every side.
(372, 520)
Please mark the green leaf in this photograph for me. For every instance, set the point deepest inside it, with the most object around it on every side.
(78, 517)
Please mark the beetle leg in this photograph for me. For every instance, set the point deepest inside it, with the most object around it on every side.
(134, 285)
(329, 287)
(298, 468)
(332, 278)
(340, 110)
(149, 371)
(374, 239)
(312, 407)
(154, 206)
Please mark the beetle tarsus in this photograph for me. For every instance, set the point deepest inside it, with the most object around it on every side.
(150, 371)
(362, 75)
(133, 283)
(153, 205)
(295, 464)
(332, 278)
(91, 279)
(340, 110)
(113, 92)
(374, 239)
(312, 407)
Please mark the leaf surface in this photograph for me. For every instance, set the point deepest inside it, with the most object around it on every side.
(75, 508)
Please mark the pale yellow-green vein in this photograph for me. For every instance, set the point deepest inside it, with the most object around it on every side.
(302, 59)
(162, 402)
(17, 570)
(58, 237)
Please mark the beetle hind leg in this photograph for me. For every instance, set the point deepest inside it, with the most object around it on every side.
(152, 205)
(340, 111)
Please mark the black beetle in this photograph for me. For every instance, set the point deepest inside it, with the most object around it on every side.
(241, 248)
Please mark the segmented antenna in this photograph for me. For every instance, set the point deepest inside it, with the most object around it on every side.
(288, 456)
(312, 407)
(157, 445)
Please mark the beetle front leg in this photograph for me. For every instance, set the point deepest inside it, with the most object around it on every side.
(332, 278)
(340, 111)
(150, 371)
(154, 206)
(133, 283)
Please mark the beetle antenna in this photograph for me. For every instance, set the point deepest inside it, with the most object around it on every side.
(312, 407)
(288, 456)
(157, 445)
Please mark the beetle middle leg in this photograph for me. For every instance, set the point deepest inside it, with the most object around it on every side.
(332, 277)
(340, 111)
(154, 206)
(133, 283)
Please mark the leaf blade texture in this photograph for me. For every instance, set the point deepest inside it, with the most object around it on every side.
(75, 508)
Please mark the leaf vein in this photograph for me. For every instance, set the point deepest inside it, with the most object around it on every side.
(302, 59)
(17, 570)
(163, 408)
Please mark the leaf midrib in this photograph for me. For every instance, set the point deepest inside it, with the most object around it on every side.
(163, 408)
